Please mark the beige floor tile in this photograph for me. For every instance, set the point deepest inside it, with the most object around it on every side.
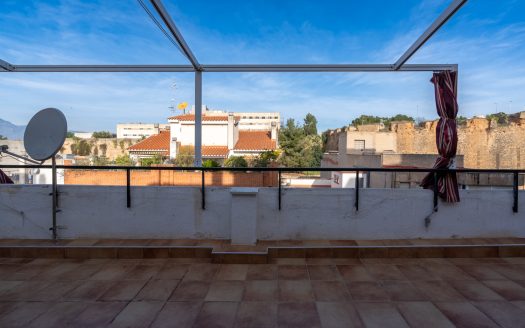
(201, 271)
(385, 272)
(124, 290)
(354, 273)
(23, 313)
(295, 291)
(416, 272)
(402, 291)
(114, 271)
(482, 272)
(447, 272)
(216, 314)
(157, 290)
(508, 289)
(475, 290)
(261, 290)
(98, 314)
(137, 314)
(232, 272)
(225, 291)
(261, 272)
(177, 314)
(323, 272)
(380, 315)
(302, 315)
(464, 314)
(330, 291)
(60, 315)
(54, 291)
(367, 291)
(171, 271)
(505, 314)
(190, 291)
(423, 314)
(256, 314)
(143, 272)
(89, 290)
(338, 315)
(292, 272)
(438, 291)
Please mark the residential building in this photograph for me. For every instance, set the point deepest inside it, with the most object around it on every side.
(138, 130)
(221, 138)
(83, 135)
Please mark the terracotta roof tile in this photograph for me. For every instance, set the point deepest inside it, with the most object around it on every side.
(215, 151)
(191, 118)
(255, 140)
(157, 142)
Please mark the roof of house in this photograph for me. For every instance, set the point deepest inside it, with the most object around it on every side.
(211, 117)
(248, 141)
(158, 142)
(214, 151)
(255, 140)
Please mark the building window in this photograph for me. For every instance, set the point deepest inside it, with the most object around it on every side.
(359, 144)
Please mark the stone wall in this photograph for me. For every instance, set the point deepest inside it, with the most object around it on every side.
(483, 143)
(110, 147)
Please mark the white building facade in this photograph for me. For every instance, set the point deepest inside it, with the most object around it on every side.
(138, 130)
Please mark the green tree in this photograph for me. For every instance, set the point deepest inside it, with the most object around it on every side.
(185, 156)
(368, 119)
(460, 120)
(298, 148)
(157, 159)
(210, 163)
(265, 158)
(103, 134)
(80, 147)
(235, 161)
(124, 160)
(70, 134)
(310, 125)
(100, 160)
(500, 118)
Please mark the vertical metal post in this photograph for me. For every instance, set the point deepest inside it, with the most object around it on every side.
(356, 204)
(198, 118)
(128, 187)
(203, 193)
(54, 192)
(435, 187)
(515, 190)
(279, 182)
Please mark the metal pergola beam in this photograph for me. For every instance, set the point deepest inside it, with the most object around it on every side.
(433, 28)
(6, 66)
(166, 18)
(235, 68)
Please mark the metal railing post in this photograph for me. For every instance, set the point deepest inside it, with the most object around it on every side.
(128, 187)
(435, 187)
(54, 193)
(280, 191)
(356, 203)
(203, 193)
(515, 192)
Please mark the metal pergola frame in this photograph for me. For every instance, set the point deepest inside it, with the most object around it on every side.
(198, 68)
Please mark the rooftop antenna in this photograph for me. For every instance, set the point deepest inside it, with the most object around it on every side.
(44, 136)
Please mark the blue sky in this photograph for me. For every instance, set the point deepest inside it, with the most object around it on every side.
(486, 38)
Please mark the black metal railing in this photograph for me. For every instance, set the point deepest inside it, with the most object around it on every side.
(280, 170)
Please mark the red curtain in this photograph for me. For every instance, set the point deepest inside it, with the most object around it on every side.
(4, 179)
(446, 136)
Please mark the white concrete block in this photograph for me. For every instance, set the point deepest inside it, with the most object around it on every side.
(243, 216)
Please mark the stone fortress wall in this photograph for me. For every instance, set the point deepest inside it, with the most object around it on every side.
(484, 144)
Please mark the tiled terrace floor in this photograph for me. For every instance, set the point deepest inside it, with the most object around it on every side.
(289, 292)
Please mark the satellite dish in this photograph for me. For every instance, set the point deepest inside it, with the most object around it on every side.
(45, 134)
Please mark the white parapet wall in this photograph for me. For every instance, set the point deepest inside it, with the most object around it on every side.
(318, 213)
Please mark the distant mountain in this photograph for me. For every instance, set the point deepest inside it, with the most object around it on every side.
(11, 131)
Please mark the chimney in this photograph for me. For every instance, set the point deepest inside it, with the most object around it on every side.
(274, 134)
(173, 147)
(231, 132)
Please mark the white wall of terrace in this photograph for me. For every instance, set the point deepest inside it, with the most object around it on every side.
(175, 212)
